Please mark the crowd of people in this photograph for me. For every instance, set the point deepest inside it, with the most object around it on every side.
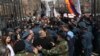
(50, 36)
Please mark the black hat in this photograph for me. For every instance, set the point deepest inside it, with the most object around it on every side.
(25, 34)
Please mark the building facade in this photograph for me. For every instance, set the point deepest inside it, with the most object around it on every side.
(31, 6)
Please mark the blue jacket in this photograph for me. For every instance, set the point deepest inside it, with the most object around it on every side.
(28, 46)
(87, 40)
(36, 30)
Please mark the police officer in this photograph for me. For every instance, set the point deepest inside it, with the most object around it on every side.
(70, 37)
(60, 49)
(87, 38)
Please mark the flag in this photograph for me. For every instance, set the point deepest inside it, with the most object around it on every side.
(55, 11)
(78, 7)
(47, 8)
(71, 7)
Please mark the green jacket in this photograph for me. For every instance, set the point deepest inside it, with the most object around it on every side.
(23, 53)
(61, 49)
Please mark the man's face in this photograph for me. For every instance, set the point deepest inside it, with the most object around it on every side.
(10, 33)
(18, 30)
(30, 37)
(64, 29)
(87, 14)
(42, 33)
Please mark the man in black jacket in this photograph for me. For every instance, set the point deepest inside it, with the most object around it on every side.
(44, 40)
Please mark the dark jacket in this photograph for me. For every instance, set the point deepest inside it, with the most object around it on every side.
(87, 39)
(45, 43)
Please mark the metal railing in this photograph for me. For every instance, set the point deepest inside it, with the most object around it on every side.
(10, 12)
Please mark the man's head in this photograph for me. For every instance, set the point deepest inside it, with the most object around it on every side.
(65, 28)
(60, 35)
(17, 30)
(30, 35)
(42, 33)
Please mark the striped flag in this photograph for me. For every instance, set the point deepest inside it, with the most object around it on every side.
(71, 7)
